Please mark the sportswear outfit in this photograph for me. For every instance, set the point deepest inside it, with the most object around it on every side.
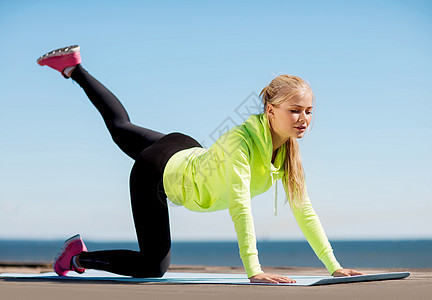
(151, 150)
(234, 169)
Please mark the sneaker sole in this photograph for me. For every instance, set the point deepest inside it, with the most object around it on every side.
(59, 52)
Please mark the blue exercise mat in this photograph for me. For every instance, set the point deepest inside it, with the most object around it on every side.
(203, 278)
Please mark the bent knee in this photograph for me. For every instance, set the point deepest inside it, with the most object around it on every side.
(155, 270)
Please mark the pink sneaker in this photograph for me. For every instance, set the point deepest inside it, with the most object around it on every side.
(63, 261)
(62, 58)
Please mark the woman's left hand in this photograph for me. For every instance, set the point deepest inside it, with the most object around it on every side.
(346, 272)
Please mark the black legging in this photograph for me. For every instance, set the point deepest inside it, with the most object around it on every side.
(151, 151)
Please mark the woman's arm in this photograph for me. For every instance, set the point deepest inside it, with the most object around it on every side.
(312, 229)
(237, 171)
(238, 176)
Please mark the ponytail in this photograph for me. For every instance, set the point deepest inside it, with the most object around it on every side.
(280, 89)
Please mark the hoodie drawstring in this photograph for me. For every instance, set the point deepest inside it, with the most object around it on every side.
(275, 200)
(275, 197)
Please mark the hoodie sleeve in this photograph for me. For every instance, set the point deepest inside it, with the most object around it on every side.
(312, 229)
(238, 178)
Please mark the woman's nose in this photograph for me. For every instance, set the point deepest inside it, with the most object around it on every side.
(302, 117)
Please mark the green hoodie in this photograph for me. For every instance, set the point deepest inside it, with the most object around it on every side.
(236, 168)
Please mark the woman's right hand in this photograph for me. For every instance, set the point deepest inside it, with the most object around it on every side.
(270, 278)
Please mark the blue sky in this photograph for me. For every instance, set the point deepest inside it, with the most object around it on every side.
(186, 66)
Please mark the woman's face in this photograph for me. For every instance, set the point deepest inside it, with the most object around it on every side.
(292, 117)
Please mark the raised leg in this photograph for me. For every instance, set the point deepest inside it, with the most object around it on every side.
(131, 139)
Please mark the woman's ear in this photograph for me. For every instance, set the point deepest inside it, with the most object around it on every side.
(270, 111)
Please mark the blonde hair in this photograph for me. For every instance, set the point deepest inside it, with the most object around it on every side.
(284, 88)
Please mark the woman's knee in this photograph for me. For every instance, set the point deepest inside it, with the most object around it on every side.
(154, 269)
(165, 263)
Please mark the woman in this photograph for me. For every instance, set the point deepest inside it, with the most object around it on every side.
(244, 162)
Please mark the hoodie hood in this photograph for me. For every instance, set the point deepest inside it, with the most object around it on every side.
(259, 130)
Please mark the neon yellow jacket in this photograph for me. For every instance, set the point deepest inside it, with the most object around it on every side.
(236, 168)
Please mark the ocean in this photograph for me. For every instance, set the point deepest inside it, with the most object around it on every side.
(350, 254)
